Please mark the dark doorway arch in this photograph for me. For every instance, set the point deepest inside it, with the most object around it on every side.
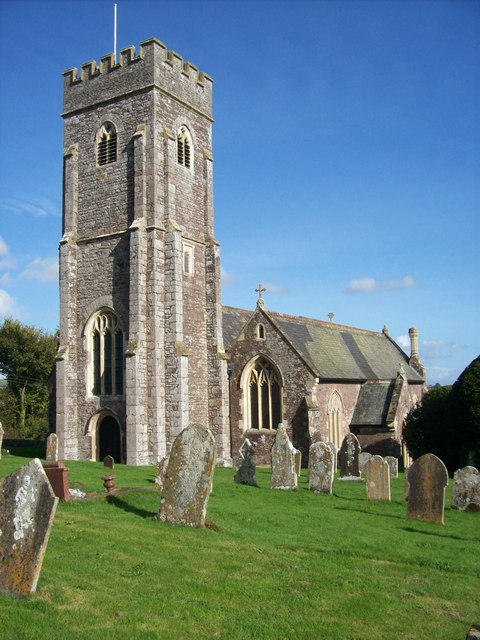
(109, 439)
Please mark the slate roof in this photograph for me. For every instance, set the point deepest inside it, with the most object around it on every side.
(372, 404)
(334, 351)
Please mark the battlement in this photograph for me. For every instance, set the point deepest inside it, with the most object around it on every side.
(154, 66)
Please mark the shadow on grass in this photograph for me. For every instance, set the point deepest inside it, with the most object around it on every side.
(439, 535)
(37, 451)
(375, 514)
(130, 508)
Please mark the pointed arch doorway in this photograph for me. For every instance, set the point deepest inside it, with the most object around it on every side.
(109, 439)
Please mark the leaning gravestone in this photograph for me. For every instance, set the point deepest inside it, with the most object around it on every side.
(377, 479)
(334, 450)
(188, 478)
(1, 439)
(427, 479)
(466, 489)
(363, 458)
(52, 448)
(27, 507)
(393, 464)
(348, 457)
(283, 462)
(320, 468)
(246, 471)
(109, 462)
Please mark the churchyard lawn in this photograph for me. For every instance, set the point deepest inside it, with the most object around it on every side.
(270, 564)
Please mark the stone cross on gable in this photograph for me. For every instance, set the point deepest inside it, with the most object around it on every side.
(260, 290)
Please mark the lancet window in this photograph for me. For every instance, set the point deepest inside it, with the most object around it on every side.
(335, 419)
(184, 147)
(107, 355)
(263, 395)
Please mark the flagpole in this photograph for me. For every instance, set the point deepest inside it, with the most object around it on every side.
(115, 32)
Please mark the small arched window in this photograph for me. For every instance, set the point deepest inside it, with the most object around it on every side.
(184, 147)
(260, 331)
(107, 355)
(107, 144)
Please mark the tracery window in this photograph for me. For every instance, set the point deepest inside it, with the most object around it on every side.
(263, 393)
(335, 419)
(107, 144)
(107, 355)
(184, 147)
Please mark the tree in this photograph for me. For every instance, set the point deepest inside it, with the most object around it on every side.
(464, 415)
(425, 426)
(27, 358)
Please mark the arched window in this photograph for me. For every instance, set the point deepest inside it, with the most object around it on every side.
(184, 147)
(107, 355)
(260, 331)
(335, 419)
(107, 144)
(263, 394)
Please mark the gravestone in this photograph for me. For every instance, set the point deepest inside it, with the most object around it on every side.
(109, 462)
(57, 474)
(283, 462)
(406, 486)
(246, 471)
(348, 457)
(393, 464)
(320, 468)
(427, 479)
(160, 472)
(363, 458)
(298, 462)
(27, 507)
(334, 450)
(52, 448)
(188, 478)
(1, 439)
(377, 479)
(466, 489)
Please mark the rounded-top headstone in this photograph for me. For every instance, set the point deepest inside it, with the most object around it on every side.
(427, 479)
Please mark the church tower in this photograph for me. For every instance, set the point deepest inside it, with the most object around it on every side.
(141, 348)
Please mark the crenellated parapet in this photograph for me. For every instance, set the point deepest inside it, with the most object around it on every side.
(153, 67)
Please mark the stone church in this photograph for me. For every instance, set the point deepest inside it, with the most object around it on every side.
(146, 347)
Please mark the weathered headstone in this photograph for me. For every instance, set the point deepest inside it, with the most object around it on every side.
(160, 472)
(52, 448)
(27, 507)
(246, 471)
(427, 479)
(363, 458)
(320, 468)
(393, 464)
(348, 456)
(377, 479)
(283, 462)
(466, 489)
(188, 478)
(109, 462)
(406, 485)
(1, 439)
(334, 450)
(57, 474)
(298, 462)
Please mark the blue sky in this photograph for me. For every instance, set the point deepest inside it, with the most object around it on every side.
(346, 154)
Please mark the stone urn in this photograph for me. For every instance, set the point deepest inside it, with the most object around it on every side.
(108, 483)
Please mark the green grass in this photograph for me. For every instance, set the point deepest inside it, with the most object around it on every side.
(271, 564)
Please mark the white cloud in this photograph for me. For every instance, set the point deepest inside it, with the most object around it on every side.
(370, 285)
(274, 289)
(3, 247)
(403, 341)
(227, 278)
(442, 375)
(9, 306)
(5, 278)
(37, 207)
(42, 269)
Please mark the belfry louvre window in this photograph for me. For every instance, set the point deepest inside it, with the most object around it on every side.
(107, 352)
(107, 144)
(184, 147)
(263, 394)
